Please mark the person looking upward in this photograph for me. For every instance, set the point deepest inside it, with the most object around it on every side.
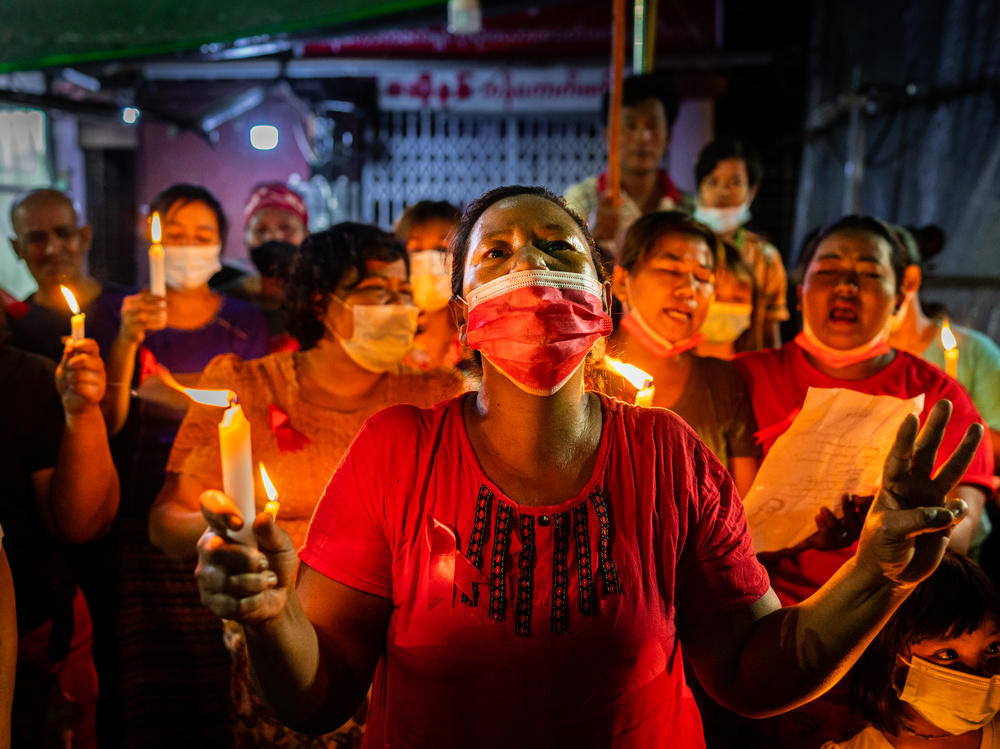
(519, 566)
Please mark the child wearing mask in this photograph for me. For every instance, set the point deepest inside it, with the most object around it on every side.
(425, 228)
(930, 677)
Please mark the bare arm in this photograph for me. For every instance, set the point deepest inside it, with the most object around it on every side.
(140, 313)
(78, 499)
(315, 673)
(312, 649)
(8, 648)
(121, 367)
(763, 660)
(175, 520)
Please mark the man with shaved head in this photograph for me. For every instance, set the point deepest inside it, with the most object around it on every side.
(53, 242)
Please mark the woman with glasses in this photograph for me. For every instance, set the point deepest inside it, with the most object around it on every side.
(350, 305)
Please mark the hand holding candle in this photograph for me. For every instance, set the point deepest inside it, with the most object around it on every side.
(247, 585)
(157, 274)
(76, 322)
(950, 345)
(80, 377)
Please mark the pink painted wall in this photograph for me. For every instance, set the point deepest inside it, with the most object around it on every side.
(230, 168)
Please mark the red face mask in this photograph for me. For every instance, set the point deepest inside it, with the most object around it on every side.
(537, 326)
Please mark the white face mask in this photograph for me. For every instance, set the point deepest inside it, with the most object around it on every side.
(723, 220)
(726, 321)
(953, 701)
(190, 266)
(383, 333)
(430, 278)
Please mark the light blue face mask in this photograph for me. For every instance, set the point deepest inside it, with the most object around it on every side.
(723, 220)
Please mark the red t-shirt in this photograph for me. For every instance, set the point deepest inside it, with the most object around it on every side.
(778, 380)
(572, 638)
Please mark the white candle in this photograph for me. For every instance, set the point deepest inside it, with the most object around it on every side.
(78, 318)
(157, 275)
(237, 468)
(950, 345)
(235, 452)
(76, 326)
(645, 396)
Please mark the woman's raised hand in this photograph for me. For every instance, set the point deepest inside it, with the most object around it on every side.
(141, 313)
(909, 524)
(239, 582)
(80, 376)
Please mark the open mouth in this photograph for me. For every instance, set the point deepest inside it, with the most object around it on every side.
(843, 313)
(678, 314)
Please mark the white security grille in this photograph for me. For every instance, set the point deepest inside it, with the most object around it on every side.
(457, 157)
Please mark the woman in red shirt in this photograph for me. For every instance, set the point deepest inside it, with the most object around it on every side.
(518, 566)
(849, 292)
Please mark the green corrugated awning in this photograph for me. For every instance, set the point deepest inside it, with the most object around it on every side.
(43, 33)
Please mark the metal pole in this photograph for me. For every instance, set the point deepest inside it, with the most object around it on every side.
(854, 167)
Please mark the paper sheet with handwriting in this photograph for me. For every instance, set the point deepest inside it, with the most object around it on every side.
(836, 445)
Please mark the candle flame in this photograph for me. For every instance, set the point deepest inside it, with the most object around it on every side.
(220, 398)
(947, 337)
(155, 228)
(639, 379)
(272, 493)
(70, 300)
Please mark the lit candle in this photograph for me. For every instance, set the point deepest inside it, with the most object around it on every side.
(157, 276)
(76, 322)
(639, 379)
(950, 346)
(644, 397)
(234, 451)
(271, 508)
